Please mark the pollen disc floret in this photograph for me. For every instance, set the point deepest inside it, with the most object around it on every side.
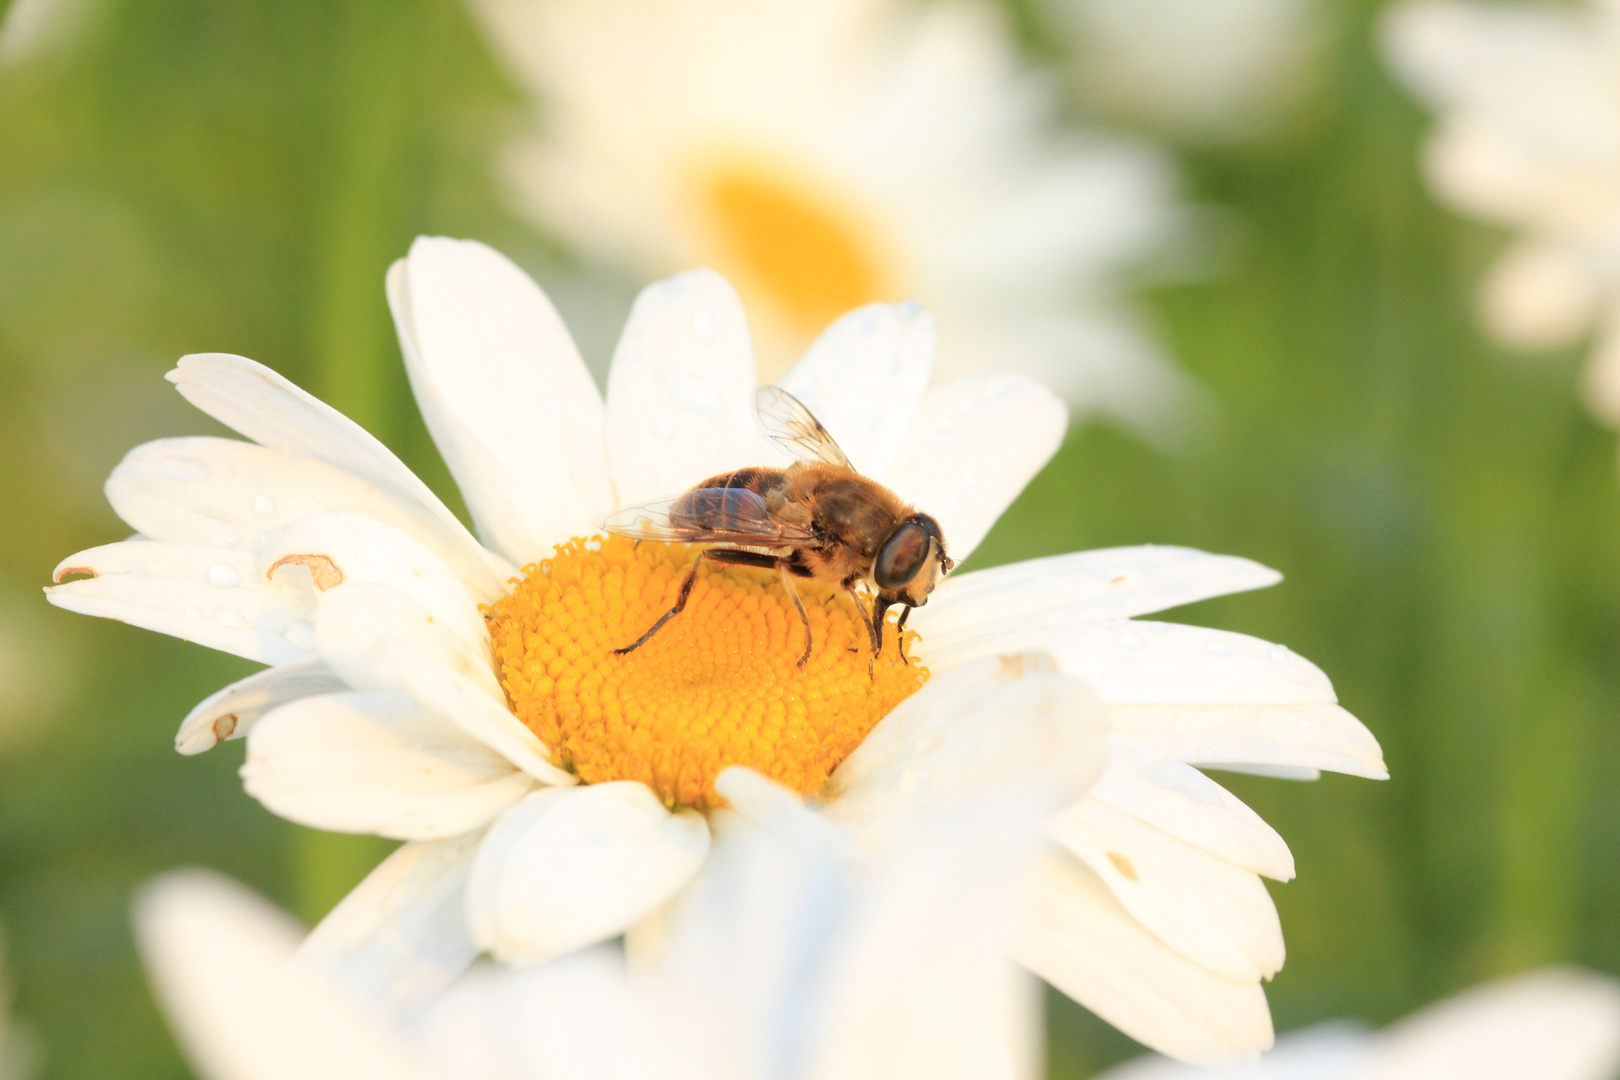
(719, 685)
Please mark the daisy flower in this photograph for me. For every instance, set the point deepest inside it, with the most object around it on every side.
(553, 794)
(791, 959)
(824, 156)
(1553, 1024)
(1528, 101)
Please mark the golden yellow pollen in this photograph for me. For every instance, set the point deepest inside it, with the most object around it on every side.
(719, 685)
(809, 257)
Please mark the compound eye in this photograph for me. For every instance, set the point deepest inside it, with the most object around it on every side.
(901, 557)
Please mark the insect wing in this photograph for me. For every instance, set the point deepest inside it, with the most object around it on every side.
(791, 426)
(707, 516)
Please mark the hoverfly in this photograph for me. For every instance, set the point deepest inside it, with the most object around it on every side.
(818, 518)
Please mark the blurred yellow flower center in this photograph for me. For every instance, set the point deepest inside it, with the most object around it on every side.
(719, 685)
(812, 258)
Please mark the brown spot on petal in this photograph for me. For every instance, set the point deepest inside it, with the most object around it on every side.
(321, 568)
(1017, 665)
(73, 571)
(1123, 865)
(225, 727)
(1117, 580)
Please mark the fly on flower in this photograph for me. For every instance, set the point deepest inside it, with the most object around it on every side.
(834, 525)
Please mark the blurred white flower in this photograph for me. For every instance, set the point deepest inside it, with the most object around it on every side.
(1200, 70)
(1528, 103)
(789, 959)
(826, 155)
(1553, 1024)
(389, 707)
(30, 28)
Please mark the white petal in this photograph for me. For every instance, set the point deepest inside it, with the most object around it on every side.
(376, 763)
(353, 620)
(1234, 736)
(577, 1018)
(1335, 1050)
(440, 690)
(924, 989)
(250, 398)
(1178, 799)
(337, 550)
(569, 868)
(681, 390)
(973, 447)
(1554, 1024)
(218, 958)
(1005, 720)
(505, 394)
(1217, 915)
(1138, 662)
(1083, 942)
(864, 378)
(209, 595)
(1100, 586)
(228, 493)
(229, 713)
(400, 937)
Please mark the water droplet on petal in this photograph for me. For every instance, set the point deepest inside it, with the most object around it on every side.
(230, 618)
(912, 780)
(226, 536)
(300, 634)
(182, 468)
(264, 504)
(969, 478)
(908, 310)
(224, 576)
(703, 325)
(1280, 654)
(1133, 642)
(193, 613)
(1217, 646)
(1099, 575)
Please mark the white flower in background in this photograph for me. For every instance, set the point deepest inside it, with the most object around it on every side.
(823, 156)
(789, 960)
(392, 705)
(32, 28)
(1553, 1024)
(1202, 71)
(1528, 103)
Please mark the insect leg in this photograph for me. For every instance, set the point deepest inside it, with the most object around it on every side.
(880, 612)
(899, 629)
(680, 602)
(783, 570)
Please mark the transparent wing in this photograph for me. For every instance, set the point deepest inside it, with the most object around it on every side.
(791, 426)
(707, 516)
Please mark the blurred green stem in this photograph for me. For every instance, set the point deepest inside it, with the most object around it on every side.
(355, 366)
(356, 370)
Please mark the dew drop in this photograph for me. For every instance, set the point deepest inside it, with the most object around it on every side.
(912, 780)
(182, 468)
(969, 478)
(1280, 654)
(1099, 575)
(703, 326)
(230, 618)
(300, 634)
(1133, 642)
(226, 536)
(193, 613)
(224, 576)
(264, 504)
(908, 310)
(1217, 646)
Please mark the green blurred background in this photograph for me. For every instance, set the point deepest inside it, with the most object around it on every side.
(191, 175)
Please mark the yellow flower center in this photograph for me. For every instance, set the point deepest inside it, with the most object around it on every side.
(805, 254)
(718, 685)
